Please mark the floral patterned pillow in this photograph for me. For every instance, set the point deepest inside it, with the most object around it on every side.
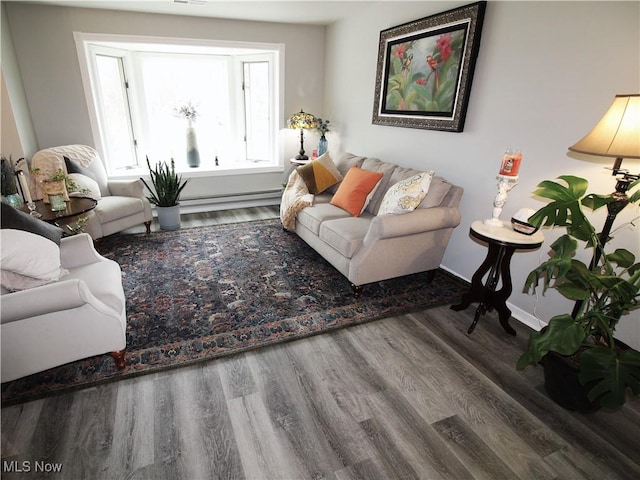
(406, 195)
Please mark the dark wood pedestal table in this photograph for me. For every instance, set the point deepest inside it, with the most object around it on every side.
(74, 207)
(503, 242)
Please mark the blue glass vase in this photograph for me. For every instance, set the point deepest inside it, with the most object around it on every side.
(322, 145)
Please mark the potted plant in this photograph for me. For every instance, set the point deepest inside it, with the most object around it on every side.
(606, 370)
(165, 195)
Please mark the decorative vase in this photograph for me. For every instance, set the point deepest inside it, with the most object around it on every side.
(322, 145)
(169, 217)
(193, 156)
(14, 199)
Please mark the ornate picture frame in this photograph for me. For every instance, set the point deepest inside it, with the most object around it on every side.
(425, 70)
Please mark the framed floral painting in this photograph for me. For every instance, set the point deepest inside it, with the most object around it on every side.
(425, 69)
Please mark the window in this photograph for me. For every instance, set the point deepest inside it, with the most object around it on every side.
(136, 87)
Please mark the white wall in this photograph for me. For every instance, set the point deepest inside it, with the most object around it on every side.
(17, 137)
(545, 74)
(48, 60)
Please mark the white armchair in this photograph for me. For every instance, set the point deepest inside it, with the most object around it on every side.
(121, 203)
(81, 315)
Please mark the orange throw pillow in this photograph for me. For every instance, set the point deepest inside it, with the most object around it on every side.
(356, 190)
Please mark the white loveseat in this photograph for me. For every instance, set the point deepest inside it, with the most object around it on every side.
(80, 315)
(372, 247)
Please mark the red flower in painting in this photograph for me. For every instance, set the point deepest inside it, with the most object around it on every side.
(444, 45)
(421, 81)
(400, 51)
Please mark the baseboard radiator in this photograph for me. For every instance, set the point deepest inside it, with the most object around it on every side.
(226, 202)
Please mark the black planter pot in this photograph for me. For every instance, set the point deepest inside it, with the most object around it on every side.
(562, 384)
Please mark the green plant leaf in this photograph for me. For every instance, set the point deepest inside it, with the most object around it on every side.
(562, 335)
(613, 374)
(622, 257)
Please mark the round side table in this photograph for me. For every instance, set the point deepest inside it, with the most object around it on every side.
(503, 242)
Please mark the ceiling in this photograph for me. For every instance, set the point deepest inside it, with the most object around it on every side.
(288, 11)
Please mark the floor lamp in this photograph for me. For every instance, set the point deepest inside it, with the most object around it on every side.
(616, 135)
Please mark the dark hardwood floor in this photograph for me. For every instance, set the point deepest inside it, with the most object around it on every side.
(412, 396)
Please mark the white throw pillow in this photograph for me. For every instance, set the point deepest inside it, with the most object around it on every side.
(86, 187)
(28, 255)
(406, 195)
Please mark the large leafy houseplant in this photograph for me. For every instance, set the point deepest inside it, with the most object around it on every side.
(605, 292)
(167, 185)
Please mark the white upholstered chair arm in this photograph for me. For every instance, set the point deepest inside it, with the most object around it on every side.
(126, 188)
(54, 297)
(418, 221)
(78, 250)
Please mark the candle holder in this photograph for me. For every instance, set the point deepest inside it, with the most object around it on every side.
(32, 210)
(505, 184)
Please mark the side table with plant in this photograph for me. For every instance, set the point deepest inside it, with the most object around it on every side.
(607, 291)
(165, 194)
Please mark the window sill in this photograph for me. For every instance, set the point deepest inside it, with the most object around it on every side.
(202, 171)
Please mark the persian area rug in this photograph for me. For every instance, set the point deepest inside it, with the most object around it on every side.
(200, 293)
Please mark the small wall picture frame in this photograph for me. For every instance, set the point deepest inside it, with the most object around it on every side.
(425, 70)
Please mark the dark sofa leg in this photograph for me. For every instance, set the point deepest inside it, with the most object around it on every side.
(148, 227)
(118, 357)
(357, 290)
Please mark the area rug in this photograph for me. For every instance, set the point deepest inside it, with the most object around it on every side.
(201, 293)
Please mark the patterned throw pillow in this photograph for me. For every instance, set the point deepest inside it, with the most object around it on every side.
(320, 174)
(406, 195)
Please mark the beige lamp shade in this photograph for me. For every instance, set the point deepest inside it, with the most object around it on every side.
(617, 134)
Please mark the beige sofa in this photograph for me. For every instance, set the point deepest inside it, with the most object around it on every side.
(372, 247)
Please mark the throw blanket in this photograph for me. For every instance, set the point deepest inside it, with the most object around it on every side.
(295, 197)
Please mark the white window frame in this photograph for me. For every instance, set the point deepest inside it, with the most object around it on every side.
(87, 43)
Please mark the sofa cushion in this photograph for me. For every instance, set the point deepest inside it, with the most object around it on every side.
(437, 191)
(386, 169)
(343, 163)
(313, 216)
(84, 186)
(112, 208)
(405, 195)
(356, 190)
(345, 234)
(320, 174)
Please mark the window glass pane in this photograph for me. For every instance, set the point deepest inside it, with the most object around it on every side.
(256, 103)
(170, 81)
(115, 113)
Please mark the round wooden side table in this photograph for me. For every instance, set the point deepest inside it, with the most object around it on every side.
(503, 242)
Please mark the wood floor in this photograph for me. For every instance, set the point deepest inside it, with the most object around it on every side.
(411, 396)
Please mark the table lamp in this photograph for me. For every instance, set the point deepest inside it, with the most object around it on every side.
(616, 135)
(303, 121)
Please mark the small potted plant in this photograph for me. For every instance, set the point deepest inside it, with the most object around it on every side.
(583, 342)
(165, 194)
